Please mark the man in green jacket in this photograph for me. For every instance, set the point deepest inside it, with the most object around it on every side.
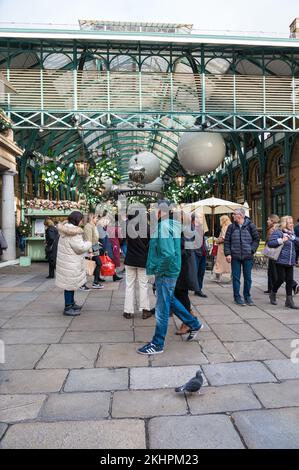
(164, 261)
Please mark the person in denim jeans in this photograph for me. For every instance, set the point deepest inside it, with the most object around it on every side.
(164, 261)
(240, 244)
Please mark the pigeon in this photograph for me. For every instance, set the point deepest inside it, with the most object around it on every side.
(193, 385)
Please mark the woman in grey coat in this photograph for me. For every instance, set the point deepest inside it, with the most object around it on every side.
(286, 237)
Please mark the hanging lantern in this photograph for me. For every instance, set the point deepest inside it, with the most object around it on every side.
(201, 152)
(150, 163)
(180, 180)
(82, 165)
(136, 171)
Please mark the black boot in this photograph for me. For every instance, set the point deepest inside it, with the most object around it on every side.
(290, 303)
(116, 277)
(69, 311)
(272, 298)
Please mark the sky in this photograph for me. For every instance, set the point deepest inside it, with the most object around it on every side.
(233, 15)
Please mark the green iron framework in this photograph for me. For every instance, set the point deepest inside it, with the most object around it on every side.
(140, 91)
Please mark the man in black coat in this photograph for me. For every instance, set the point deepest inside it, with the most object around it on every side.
(137, 240)
(52, 237)
(240, 244)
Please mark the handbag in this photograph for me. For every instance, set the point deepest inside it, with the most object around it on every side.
(107, 268)
(90, 266)
(214, 250)
(96, 249)
(272, 253)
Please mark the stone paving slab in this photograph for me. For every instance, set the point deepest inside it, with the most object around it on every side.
(120, 355)
(193, 432)
(249, 312)
(181, 353)
(215, 351)
(269, 429)
(3, 428)
(98, 306)
(284, 369)
(76, 406)
(236, 332)
(14, 408)
(38, 322)
(10, 306)
(51, 312)
(294, 327)
(69, 356)
(112, 434)
(286, 317)
(19, 356)
(3, 293)
(213, 310)
(285, 345)
(23, 297)
(150, 322)
(98, 337)
(90, 380)
(145, 404)
(31, 336)
(223, 399)
(222, 319)
(281, 395)
(149, 378)
(271, 328)
(259, 350)
(146, 333)
(100, 323)
(32, 381)
(237, 373)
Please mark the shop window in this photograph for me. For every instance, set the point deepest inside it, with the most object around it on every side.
(280, 168)
(257, 172)
(279, 204)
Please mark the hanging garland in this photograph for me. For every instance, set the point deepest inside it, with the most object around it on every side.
(196, 187)
(103, 170)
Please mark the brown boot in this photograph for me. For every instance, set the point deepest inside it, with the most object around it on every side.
(147, 313)
(184, 329)
(193, 313)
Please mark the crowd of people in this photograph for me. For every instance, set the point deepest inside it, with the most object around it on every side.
(174, 252)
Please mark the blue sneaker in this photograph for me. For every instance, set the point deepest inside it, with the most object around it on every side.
(249, 301)
(149, 349)
(194, 333)
(239, 301)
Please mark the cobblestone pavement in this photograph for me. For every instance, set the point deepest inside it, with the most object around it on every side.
(79, 383)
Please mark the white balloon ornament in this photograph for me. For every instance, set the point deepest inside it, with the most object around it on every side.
(200, 153)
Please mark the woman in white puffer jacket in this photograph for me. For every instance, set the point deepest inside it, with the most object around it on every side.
(70, 268)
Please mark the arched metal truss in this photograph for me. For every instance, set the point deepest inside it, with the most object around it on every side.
(142, 94)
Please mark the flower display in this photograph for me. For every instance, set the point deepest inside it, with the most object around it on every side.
(52, 175)
(46, 204)
(5, 123)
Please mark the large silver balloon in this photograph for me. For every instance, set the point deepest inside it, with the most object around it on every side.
(155, 185)
(149, 162)
(201, 152)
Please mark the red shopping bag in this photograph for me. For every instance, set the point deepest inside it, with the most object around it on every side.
(214, 250)
(107, 268)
